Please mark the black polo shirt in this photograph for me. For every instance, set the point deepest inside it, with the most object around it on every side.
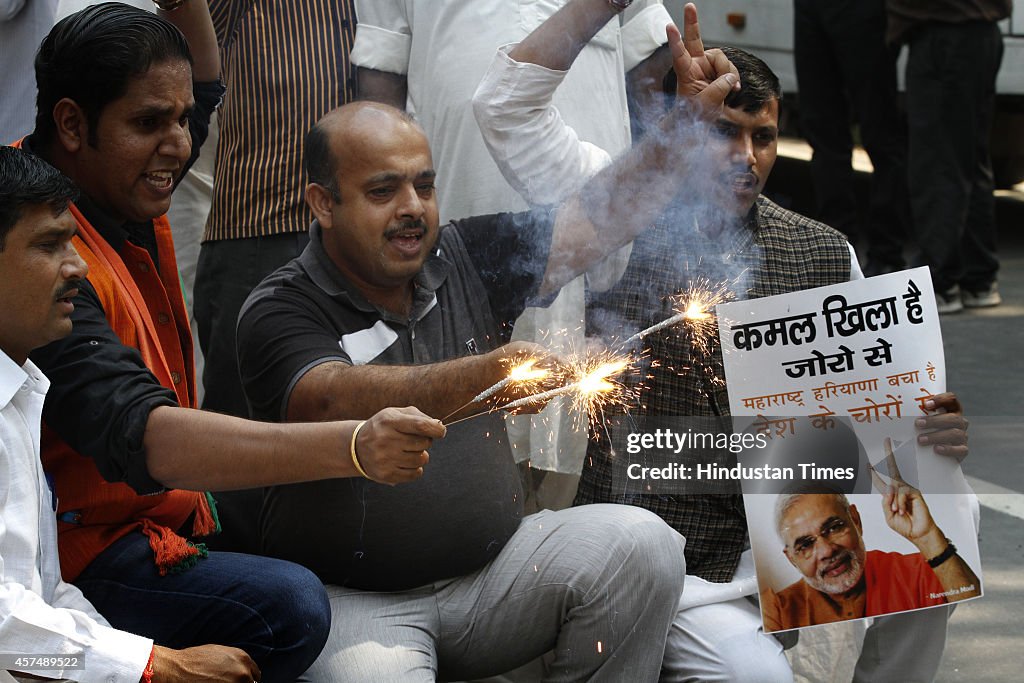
(459, 515)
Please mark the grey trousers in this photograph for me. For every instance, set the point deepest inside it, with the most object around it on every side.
(597, 584)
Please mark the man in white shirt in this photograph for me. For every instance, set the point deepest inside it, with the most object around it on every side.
(41, 616)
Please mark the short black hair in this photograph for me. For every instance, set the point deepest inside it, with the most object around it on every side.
(27, 180)
(319, 162)
(90, 57)
(758, 83)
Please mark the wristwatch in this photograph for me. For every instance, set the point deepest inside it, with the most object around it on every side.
(620, 4)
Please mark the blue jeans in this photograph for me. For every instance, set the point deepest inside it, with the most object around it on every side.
(274, 610)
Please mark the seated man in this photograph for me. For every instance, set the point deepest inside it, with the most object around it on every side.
(39, 613)
(119, 115)
(823, 538)
(714, 235)
(445, 578)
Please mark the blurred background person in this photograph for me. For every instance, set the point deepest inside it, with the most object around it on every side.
(23, 23)
(955, 52)
(846, 74)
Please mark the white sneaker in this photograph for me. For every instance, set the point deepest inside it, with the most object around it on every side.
(983, 299)
(949, 301)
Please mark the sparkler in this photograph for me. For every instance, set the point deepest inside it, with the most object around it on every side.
(526, 374)
(694, 307)
(595, 386)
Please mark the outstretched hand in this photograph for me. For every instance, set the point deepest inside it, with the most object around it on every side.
(705, 77)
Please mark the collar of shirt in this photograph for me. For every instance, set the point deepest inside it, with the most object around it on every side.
(325, 275)
(14, 378)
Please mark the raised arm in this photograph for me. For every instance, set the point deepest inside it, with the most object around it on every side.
(381, 86)
(557, 42)
(193, 19)
(907, 513)
(381, 51)
(625, 198)
(535, 150)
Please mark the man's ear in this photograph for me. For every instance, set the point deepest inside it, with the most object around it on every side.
(71, 124)
(855, 516)
(321, 203)
(789, 556)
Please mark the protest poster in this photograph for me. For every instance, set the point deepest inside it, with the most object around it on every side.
(831, 381)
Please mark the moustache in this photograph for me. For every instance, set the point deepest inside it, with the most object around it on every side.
(840, 558)
(69, 286)
(394, 230)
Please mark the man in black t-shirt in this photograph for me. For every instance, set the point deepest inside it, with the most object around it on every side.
(384, 307)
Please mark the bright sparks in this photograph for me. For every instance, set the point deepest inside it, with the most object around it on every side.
(526, 375)
(594, 385)
(528, 372)
(696, 306)
(694, 309)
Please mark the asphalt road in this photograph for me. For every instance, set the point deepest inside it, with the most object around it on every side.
(984, 366)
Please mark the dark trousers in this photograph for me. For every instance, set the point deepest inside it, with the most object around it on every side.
(951, 75)
(276, 611)
(227, 272)
(846, 72)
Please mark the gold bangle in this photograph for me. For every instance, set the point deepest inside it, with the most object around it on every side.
(352, 451)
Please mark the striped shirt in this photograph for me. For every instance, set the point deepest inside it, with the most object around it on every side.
(285, 65)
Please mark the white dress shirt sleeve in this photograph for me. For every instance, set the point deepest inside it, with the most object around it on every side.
(39, 613)
(537, 152)
(855, 271)
(539, 155)
(29, 626)
(383, 36)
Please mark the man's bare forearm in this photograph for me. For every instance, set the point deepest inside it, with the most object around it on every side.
(199, 450)
(621, 201)
(193, 449)
(557, 42)
(193, 19)
(382, 86)
(337, 391)
(958, 579)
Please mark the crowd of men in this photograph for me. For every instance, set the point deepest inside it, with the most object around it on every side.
(387, 546)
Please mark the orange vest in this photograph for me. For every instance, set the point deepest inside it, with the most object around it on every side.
(146, 312)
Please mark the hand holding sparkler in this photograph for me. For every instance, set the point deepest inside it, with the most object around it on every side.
(594, 383)
(528, 368)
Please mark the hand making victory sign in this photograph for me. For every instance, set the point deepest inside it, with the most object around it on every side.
(907, 513)
(703, 76)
